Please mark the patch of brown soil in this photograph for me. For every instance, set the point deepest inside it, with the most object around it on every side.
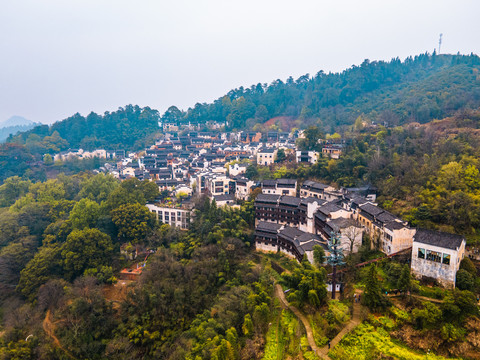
(285, 123)
(117, 292)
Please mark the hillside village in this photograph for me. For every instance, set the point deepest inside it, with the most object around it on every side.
(140, 236)
(290, 217)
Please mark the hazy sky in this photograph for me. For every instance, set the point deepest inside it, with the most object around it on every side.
(59, 57)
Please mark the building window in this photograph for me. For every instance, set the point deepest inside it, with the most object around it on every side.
(434, 256)
(421, 253)
(446, 259)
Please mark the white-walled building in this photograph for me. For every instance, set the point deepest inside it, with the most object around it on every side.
(349, 231)
(237, 169)
(307, 156)
(280, 187)
(306, 211)
(437, 255)
(266, 156)
(171, 216)
(243, 188)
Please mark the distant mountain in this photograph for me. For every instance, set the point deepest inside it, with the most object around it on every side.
(129, 128)
(14, 125)
(16, 121)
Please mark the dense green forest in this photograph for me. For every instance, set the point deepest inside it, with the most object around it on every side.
(202, 294)
(420, 89)
(128, 128)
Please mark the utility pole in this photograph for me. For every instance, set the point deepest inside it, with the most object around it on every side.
(439, 43)
(335, 258)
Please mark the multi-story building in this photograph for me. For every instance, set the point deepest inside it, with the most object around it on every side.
(214, 183)
(307, 156)
(280, 187)
(179, 217)
(437, 255)
(288, 210)
(334, 150)
(243, 188)
(313, 189)
(266, 208)
(349, 233)
(290, 241)
(387, 232)
(266, 156)
(306, 213)
(277, 209)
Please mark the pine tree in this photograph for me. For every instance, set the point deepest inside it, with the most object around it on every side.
(405, 280)
(373, 297)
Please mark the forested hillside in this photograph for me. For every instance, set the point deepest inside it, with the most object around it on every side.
(128, 128)
(421, 88)
(200, 296)
(428, 174)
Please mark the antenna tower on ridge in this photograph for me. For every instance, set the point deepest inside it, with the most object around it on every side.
(439, 43)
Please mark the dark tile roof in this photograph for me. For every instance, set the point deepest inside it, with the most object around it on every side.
(371, 209)
(224, 197)
(268, 226)
(267, 198)
(308, 246)
(394, 225)
(308, 237)
(310, 199)
(270, 183)
(290, 233)
(319, 186)
(385, 217)
(281, 182)
(437, 238)
(341, 223)
(356, 199)
(307, 183)
(329, 208)
(290, 200)
(320, 216)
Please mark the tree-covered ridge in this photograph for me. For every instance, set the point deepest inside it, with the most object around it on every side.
(60, 248)
(419, 89)
(127, 128)
(427, 174)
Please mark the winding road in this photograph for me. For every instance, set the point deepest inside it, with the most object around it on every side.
(323, 352)
(311, 341)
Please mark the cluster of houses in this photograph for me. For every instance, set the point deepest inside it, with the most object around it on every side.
(84, 154)
(294, 224)
(290, 218)
(207, 162)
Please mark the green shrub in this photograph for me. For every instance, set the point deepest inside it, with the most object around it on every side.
(465, 280)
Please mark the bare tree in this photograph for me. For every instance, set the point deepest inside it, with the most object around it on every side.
(351, 233)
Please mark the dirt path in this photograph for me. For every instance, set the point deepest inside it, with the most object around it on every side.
(354, 321)
(311, 341)
(49, 328)
(424, 298)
